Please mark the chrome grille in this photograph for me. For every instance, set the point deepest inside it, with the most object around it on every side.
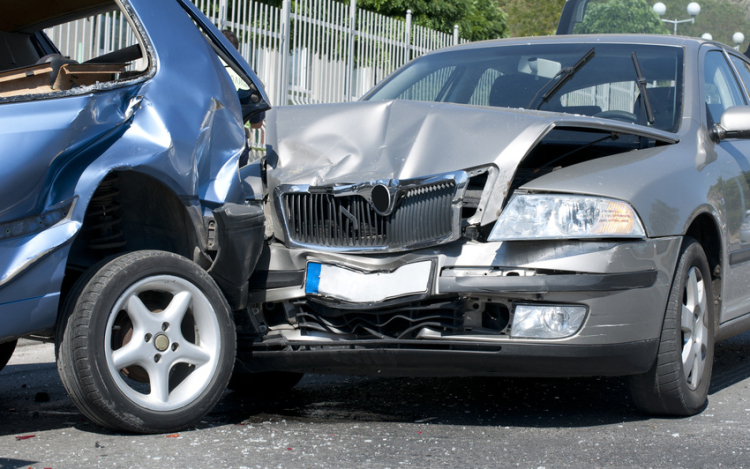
(424, 214)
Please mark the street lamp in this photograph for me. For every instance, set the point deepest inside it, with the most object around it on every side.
(693, 10)
(738, 39)
(707, 37)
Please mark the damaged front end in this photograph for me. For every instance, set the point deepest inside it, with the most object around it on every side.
(401, 274)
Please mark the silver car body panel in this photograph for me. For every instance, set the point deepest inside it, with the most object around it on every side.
(395, 140)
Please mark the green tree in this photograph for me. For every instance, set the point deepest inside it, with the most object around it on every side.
(477, 19)
(620, 16)
(532, 17)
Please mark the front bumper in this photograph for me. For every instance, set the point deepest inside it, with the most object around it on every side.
(461, 359)
(623, 285)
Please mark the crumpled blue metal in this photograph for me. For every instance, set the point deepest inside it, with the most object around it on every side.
(180, 123)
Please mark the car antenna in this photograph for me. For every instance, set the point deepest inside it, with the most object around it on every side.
(642, 88)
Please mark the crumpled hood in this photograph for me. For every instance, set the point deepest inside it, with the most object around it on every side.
(368, 141)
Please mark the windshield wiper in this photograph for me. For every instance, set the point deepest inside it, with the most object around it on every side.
(642, 88)
(562, 77)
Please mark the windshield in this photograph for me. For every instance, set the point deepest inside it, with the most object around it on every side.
(606, 85)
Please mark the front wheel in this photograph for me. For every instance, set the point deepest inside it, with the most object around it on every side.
(677, 384)
(148, 344)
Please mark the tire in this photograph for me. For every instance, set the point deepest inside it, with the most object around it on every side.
(677, 384)
(147, 343)
(6, 351)
(264, 384)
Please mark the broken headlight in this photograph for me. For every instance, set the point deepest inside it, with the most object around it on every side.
(555, 216)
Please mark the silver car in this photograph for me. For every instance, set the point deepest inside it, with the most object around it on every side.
(561, 206)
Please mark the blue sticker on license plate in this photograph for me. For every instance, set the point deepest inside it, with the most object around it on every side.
(313, 278)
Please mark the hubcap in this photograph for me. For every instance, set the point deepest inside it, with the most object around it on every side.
(694, 328)
(174, 344)
(161, 342)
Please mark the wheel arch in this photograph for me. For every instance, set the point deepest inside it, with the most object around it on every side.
(704, 228)
(131, 211)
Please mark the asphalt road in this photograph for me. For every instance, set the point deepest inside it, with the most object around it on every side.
(355, 422)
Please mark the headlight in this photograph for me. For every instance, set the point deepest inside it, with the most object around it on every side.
(531, 216)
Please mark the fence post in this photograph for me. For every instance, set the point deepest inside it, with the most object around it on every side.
(408, 36)
(455, 34)
(350, 59)
(222, 18)
(286, 28)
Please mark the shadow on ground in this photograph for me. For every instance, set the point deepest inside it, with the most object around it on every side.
(513, 402)
(731, 363)
(14, 463)
(519, 402)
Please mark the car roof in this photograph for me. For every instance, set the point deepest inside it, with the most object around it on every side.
(642, 39)
(29, 16)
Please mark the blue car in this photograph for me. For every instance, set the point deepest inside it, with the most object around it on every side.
(124, 232)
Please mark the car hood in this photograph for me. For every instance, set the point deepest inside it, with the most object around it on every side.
(368, 141)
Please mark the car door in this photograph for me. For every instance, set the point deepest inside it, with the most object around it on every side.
(722, 90)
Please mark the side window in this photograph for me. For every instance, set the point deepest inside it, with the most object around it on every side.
(722, 90)
(431, 87)
(92, 52)
(744, 69)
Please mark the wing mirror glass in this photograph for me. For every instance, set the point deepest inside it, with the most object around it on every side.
(735, 123)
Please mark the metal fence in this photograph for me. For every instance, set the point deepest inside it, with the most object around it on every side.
(90, 37)
(333, 52)
(609, 96)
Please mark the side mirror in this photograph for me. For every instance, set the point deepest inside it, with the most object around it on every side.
(735, 123)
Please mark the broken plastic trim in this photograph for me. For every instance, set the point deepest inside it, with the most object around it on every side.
(31, 225)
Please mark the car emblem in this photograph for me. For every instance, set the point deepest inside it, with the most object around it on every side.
(380, 199)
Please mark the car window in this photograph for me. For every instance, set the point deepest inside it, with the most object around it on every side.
(84, 54)
(744, 70)
(616, 96)
(721, 89)
(519, 76)
(481, 94)
(430, 87)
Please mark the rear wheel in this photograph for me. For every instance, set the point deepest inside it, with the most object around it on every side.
(148, 344)
(678, 382)
(6, 351)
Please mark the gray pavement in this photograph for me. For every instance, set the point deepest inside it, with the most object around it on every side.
(357, 422)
